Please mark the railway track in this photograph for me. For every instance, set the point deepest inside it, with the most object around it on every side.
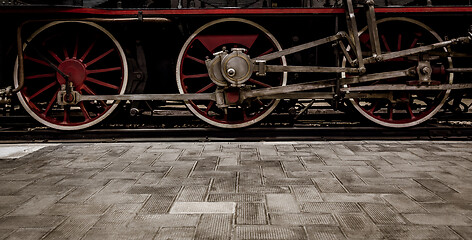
(189, 129)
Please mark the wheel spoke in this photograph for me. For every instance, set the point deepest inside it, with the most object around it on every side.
(399, 43)
(259, 83)
(84, 111)
(66, 54)
(53, 100)
(66, 114)
(385, 43)
(103, 70)
(408, 107)
(101, 83)
(54, 55)
(88, 50)
(43, 89)
(413, 44)
(91, 92)
(245, 118)
(99, 57)
(206, 88)
(372, 109)
(76, 47)
(195, 59)
(266, 52)
(46, 75)
(209, 106)
(195, 76)
(36, 60)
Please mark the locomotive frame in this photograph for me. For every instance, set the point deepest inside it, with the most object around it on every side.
(230, 71)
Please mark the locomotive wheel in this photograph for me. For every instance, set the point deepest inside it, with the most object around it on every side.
(408, 108)
(193, 77)
(91, 57)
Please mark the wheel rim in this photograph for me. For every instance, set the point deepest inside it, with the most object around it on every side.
(192, 75)
(411, 107)
(91, 57)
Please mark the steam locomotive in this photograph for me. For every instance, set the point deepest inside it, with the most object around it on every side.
(71, 63)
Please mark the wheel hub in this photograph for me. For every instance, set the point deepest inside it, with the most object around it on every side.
(230, 69)
(75, 70)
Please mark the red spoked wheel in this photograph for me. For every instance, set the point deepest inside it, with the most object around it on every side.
(193, 77)
(92, 59)
(405, 108)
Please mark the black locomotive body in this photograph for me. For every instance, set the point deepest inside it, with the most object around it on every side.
(397, 62)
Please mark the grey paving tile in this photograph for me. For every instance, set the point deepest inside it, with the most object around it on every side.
(352, 197)
(120, 233)
(115, 198)
(434, 185)
(459, 208)
(372, 189)
(282, 203)
(296, 165)
(330, 207)
(224, 185)
(421, 195)
(329, 185)
(36, 221)
(81, 194)
(251, 214)
(403, 204)
(306, 194)
(463, 231)
(154, 221)
(417, 232)
(358, 226)
(269, 232)
(382, 214)
(202, 207)
(193, 194)
(36, 205)
(250, 179)
(27, 234)
(118, 216)
(157, 204)
(311, 173)
(64, 209)
(236, 197)
(12, 187)
(264, 189)
(438, 219)
(214, 227)
(74, 227)
(324, 233)
(181, 233)
(273, 172)
(170, 181)
(297, 219)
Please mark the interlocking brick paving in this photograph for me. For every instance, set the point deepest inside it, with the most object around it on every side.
(237, 190)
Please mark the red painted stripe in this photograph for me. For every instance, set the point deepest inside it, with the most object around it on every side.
(231, 11)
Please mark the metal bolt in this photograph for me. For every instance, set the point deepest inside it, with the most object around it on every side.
(231, 72)
(426, 70)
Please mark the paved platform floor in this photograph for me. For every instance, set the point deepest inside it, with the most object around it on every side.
(237, 190)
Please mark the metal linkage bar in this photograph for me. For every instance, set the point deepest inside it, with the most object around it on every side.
(280, 68)
(402, 87)
(353, 31)
(302, 47)
(373, 30)
(300, 95)
(300, 87)
(407, 52)
(149, 97)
